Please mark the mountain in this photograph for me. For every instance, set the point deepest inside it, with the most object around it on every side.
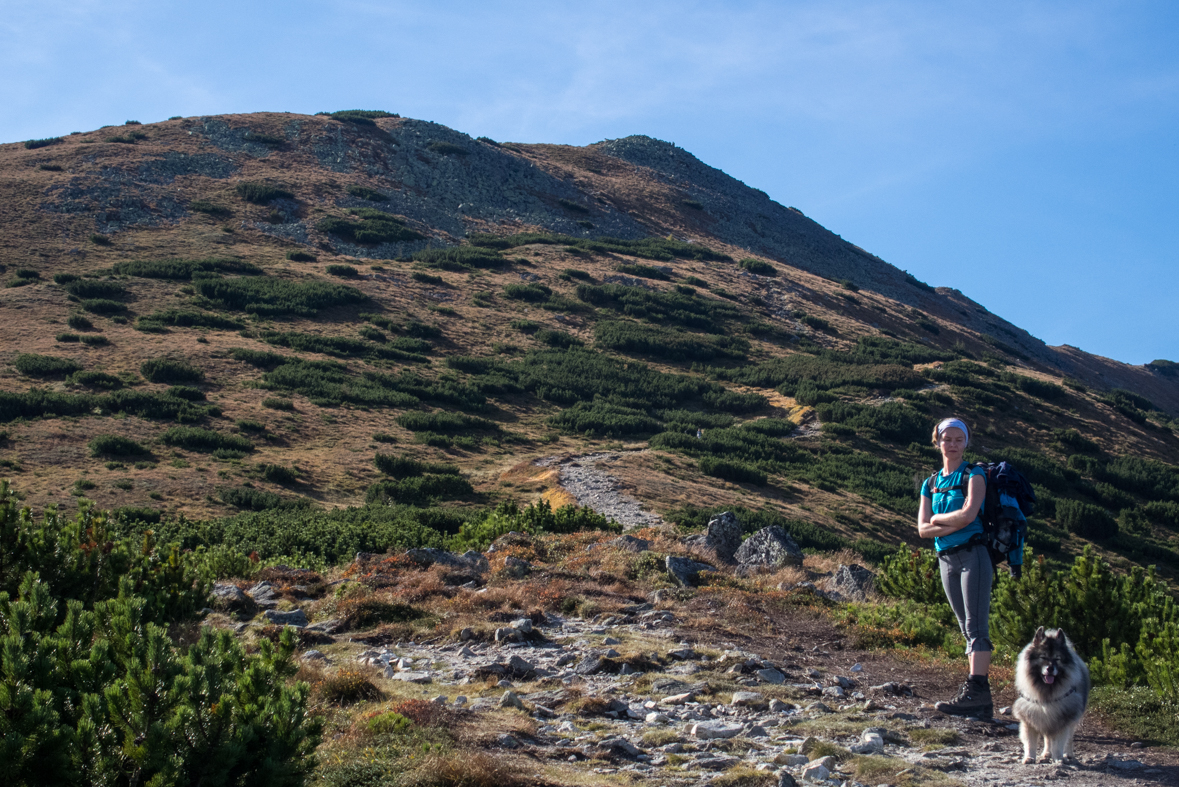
(485, 304)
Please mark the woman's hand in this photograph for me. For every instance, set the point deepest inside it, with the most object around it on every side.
(930, 525)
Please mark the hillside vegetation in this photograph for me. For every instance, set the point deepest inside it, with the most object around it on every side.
(278, 339)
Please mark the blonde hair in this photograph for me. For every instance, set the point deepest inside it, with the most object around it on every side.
(939, 423)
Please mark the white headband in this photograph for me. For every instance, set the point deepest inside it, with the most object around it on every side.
(947, 423)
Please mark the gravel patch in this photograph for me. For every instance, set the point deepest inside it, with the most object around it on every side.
(592, 486)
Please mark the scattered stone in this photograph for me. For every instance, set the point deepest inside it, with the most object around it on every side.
(619, 746)
(314, 655)
(722, 537)
(590, 665)
(769, 549)
(678, 699)
(506, 741)
(656, 718)
(871, 742)
(514, 566)
(716, 763)
(819, 707)
(786, 780)
(896, 689)
(231, 598)
(778, 706)
(715, 730)
(685, 571)
(411, 676)
(853, 582)
(771, 675)
(857, 667)
(296, 618)
(510, 700)
(631, 544)
(439, 700)
(611, 653)
(611, 641)
(747, 699)
(264, 595)
(520, 668)
(1125, 765)
(466, 634)
(469, 561)
(814, 772)
(332, 626)
(683, 654)
(523, 625)
(757, 731)
(790, 760)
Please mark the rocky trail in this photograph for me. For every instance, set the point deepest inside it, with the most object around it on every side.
(685, 687)
(593, 487)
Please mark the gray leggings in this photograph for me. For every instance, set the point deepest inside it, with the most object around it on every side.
(966, 578)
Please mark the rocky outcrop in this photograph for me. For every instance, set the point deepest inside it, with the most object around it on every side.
(768, 549)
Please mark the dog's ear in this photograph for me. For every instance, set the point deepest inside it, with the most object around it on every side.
(1036, 640)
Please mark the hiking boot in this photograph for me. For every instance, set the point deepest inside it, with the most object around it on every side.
(974, 699)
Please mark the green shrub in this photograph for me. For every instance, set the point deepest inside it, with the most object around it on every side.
(301, 256)
(250, 499)
(270, 296)
(670, 344)
(525, 326)
(653, 248)
(103, 306)
(66, 337)
(428, 278)
(340, 346)
(262, 193)
(531, 292)
(737, 472)
(557, 338)
(95, 380)
(343, 271)
(445, 423)
(181, 269)
(894, 421)
(34, 365)
(760, 267)
(205, 440)
(644, 271)
(169, 370)
(191, 318)
(1073, 440)
(94, 340)
(79, 322)
(1086, 519)
(405, 467)
(210, 208)
(33, 144)
(913, 574)
(460, 258)
(275, 403)
(364, 192)
(478, 533)
(360, 117)
(418, 490)
(601, 418)
(115, 445)
(447, 149)
(373, 226)
(733, 401)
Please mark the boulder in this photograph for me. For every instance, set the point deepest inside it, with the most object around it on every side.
(723, 535)
(685, 571)
(771, 675)
(332, 626)
(630, 543)
(510, 700)
(786, 780)
(297, 617)
(706, 731)
(768, 549)
(853, 582)
(264, 595)
(748, 699)
(519, 667)
(468, 561)
(231, 598)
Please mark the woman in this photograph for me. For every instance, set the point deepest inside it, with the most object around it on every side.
(951, 505)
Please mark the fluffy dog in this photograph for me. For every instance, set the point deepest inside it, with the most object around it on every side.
(1053, 686)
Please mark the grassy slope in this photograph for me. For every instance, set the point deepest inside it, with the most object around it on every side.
(333, 447)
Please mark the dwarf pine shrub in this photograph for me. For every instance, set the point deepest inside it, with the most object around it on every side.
(194, 438)
(34, 365)
(170, 370)
(115, 445)
(262, 193)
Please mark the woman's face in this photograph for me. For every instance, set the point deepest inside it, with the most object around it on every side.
(953, 443)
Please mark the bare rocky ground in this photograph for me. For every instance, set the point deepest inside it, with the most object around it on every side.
(586, 478)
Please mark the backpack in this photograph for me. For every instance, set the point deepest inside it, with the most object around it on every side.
(1009, 502)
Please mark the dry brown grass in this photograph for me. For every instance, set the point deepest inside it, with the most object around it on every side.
(467, 769)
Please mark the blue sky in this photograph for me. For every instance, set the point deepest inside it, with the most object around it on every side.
(1024, 152)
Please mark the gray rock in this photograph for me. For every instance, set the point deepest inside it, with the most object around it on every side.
(777, 706)
(590, 665)
(619, 746)
(630, 543)
(771, 675)
(815, 772)
(314, 655)
(715, 730)
(853, 582)
(510, 700)
(297, 617)
(834, 691)
(231, 598)
(264, 595)
(506, 741)
(411, 676)
(523, 625)
(466, 634)
(516, 567)
(469, 561)
(786, 780)
(654, 717)
(507, 634)
(790, 760)
(611, 641)
(327, 626)
(723, 535)
(519, 667)
(747, 699)
(683, 654)
(611, 653)
(678, 699)
(757, 731)
(818, 707)
(716, 763)
(685, 571)
(768, 549)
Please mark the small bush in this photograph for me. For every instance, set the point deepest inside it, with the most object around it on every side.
(731, 470)
(33, 144)
(573, 207)
(342, 271)
(115, 445)
(103, 306)
(301, 256)
(760, 267)
(66, 337)
(94, 340)
(34, 365)
(212, 209)
(428, 278)
(1086, 519)
(205, 440)
(276, 403)
(405, 467)
(558, 338)
(373, 227)
(363, 192)
(262, 193)
(79, 322)
(360, 117)
(167, 370)
(278, 474)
